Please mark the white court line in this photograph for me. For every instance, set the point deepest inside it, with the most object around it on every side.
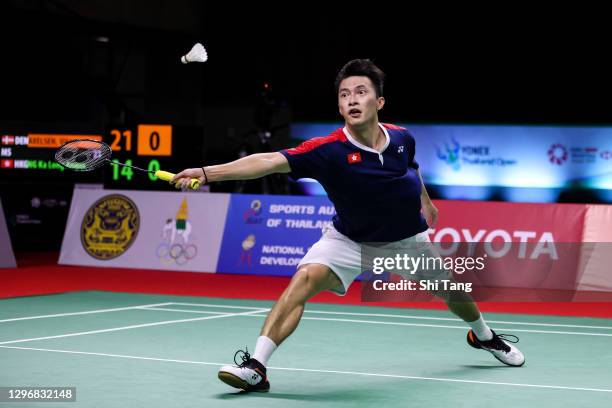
(404, 324)
(357, 373)
(211, 305)
(459, 320)
(180, 310)
(85, 312)
(414, 317)
(441, 326)
(133, 327)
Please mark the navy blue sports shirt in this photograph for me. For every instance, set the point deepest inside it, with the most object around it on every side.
(377, 196)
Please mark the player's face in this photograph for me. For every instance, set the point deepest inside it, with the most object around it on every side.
(357, 101)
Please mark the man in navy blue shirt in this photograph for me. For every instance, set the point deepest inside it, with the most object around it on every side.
(369, 173)
(350, 171)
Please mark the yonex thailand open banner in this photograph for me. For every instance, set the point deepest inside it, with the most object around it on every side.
(145, 229)
(518, 163)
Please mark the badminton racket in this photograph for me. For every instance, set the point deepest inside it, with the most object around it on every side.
(88, 155)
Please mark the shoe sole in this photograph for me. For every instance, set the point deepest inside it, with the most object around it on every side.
(237, 382)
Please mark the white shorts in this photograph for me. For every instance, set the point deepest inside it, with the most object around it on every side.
(344, 257)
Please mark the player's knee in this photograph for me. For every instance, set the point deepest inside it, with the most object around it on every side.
(306, 279)
(307, 282)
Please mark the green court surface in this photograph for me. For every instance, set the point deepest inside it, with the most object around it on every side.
(133, 350)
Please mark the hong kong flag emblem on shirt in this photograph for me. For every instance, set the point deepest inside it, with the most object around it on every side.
(354, 158)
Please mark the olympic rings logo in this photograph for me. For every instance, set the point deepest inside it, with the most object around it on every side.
(175, 253)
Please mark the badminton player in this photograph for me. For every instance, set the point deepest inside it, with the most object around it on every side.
(369, 173)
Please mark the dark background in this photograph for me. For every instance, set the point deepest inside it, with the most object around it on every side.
(86, 64)
(508, 66)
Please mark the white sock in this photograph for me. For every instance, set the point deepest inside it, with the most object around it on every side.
(264, 349)
(481, 330)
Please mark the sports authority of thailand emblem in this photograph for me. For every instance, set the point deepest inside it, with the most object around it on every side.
(251, 215)
(109, 227)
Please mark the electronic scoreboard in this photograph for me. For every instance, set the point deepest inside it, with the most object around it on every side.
(27, 156)
(152, 147)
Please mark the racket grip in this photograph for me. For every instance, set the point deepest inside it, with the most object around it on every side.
(167, 176)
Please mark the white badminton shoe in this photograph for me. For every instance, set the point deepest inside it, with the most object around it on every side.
(249, 375)
(500, 346)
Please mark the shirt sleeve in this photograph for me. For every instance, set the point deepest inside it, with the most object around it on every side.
(305, 160)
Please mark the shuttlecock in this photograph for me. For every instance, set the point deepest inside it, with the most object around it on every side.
(197, 54)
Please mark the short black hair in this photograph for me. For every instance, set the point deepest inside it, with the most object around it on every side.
(362, 67)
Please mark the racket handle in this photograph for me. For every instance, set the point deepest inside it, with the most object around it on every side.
(167, 176)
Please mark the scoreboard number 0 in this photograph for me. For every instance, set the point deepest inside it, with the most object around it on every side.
(154, 140)
(153, 166)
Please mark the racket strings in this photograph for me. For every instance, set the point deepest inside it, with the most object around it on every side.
(83, 155)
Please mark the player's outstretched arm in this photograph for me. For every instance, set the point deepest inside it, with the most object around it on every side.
(247, 168)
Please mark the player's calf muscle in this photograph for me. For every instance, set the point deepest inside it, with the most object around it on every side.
(287, 312)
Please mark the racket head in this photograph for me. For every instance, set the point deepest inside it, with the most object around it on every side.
(83, 154)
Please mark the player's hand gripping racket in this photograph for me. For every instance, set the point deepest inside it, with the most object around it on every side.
(88, 155)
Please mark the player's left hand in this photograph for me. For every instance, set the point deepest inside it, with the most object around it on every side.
(430, 212)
